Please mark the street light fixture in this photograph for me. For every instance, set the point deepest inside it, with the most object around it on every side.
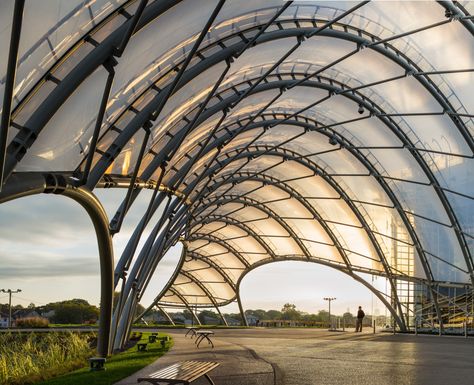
(10, 291)
(329, 299)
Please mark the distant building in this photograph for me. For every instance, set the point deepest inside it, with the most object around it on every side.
(3, 320)
(25, 313)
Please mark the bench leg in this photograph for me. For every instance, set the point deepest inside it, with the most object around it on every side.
(209, 341)
(209, 379)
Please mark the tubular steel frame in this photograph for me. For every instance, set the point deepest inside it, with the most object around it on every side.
(182, 209)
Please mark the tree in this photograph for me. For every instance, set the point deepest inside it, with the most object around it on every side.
(289, 312)
(273, 314)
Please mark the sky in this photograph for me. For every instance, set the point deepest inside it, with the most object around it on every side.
(48, 250)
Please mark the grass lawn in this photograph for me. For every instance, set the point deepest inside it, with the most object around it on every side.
(117, 367)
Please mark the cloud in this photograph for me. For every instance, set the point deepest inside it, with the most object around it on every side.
(70, 267)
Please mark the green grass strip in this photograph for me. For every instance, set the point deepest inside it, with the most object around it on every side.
(118, 366)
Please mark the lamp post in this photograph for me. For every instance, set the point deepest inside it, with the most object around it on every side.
(10, 291)
(329, 299)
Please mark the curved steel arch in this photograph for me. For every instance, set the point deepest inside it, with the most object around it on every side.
(293, 193)
(240, 225)
(105, 50)
(227, 53)
(213, 239)
(401, 136)
(212, 264)
(205, 290)
(399, 320)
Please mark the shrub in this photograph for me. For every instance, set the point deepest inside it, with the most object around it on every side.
(29, 357)
(32, 322)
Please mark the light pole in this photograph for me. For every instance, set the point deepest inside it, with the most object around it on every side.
(329, 299)
(10, 291)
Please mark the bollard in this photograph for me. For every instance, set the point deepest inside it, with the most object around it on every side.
(416, 328)
(465, 329)
(373, 325)
(343, 324)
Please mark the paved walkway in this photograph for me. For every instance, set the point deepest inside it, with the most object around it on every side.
(310, 356)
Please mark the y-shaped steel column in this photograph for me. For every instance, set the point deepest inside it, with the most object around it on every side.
(36, 183)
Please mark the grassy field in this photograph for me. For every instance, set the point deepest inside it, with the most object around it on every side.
(29, 357)
(117, 367)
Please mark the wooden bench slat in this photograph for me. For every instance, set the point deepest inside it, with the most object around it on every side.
(173, 369)
(186, 371)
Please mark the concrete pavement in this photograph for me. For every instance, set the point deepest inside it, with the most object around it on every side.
(312, 356)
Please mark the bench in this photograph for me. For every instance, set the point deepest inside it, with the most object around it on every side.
(203, 334)
(183, 372)
(141, 347)
(97, 364)
(191, 330)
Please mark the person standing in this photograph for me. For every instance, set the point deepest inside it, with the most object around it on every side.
(360, 317)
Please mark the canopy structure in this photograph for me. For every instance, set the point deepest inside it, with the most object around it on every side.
(339, 133)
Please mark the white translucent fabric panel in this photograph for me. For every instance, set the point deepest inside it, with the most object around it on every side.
(61, 143)
(289, 209)
(259, 55)
(283, 246)
(197, 244)
(400, 164)
(49, 29)
(438, 133)
(230, 232)
(6, 16)
(253, 166)
(341, 162)
(241, 188)
(313, 187)
(407, 95)
(299, 97)
(320, 50)
(446, 272)
(230, 262)
(366, 189)
(247, 245)
(268, 226)
(404, 258)
(309, 229)
(386, 221)
(461, 83)
(371, 132)
(208, 227)
(170, 298)
(357, 241)
(320, 251)
(290, 169)
(256, 10)
(457, 174)
(387, 18)
(269, 193)
(185, 99)
(336, 210)
(366, 66)
(125, 162)
(248, 213)
(440, 241)
(251, 105)
(441, 44)
(187, 288)
(464, 210)
(213, 281)
(139, 61)
(421, 200)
